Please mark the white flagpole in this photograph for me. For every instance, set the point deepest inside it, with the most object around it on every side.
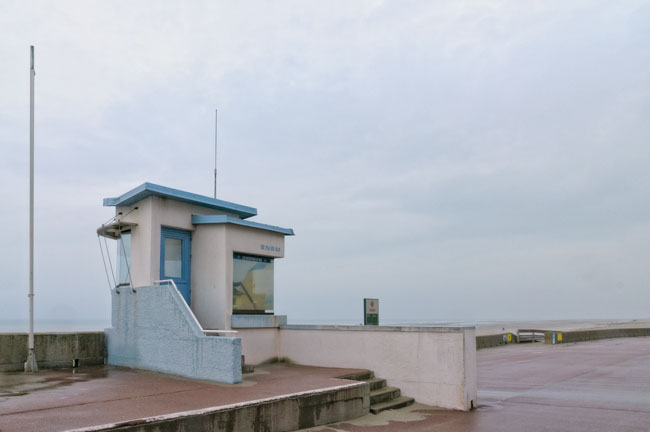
(30, 364)
(216, 113)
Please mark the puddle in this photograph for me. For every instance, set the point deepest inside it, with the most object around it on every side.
(16, 384)
(412, 413)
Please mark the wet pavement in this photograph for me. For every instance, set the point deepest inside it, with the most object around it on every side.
(591, 386)
(56, 400)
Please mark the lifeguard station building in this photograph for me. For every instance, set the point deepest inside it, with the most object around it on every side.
(220, 262)
(195, 291)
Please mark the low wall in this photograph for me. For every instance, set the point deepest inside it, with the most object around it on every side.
(436, 366)
(52, 350)
(279, 414)
(590, 335)
(260, 345)
(152, 328)
(490, 341)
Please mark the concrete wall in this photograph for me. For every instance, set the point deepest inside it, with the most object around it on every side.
(245, 321)
(489, 341)
(470, 374)
(278, 414)
(154, 329)
(590, 335)
(436, 366)
(261, 345)
(209, 266)
(52, 350)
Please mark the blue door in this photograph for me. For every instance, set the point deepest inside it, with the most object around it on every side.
(175, 259)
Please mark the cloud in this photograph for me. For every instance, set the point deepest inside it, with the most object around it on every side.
(447, 158)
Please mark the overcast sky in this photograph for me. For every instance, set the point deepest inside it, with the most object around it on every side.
(456, 160)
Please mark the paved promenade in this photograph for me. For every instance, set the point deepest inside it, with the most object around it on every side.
(590, 387)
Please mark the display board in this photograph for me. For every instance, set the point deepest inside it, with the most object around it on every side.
(252, 287)
(370, 311)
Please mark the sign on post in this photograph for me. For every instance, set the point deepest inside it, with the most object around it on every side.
(370, 311)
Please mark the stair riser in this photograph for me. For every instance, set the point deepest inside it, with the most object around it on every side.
(384, 397)
(361, 376)
(401, 404)
(376, 385)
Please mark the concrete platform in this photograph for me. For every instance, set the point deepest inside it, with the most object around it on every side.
(105, 397)
(590, 387)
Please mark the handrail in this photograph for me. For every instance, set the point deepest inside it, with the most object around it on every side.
(205, 332)
(220, 331)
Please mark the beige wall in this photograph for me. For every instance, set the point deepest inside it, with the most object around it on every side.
(471, 380)
(260, 345)
(141, 240)
(210, 301)
(436, 366)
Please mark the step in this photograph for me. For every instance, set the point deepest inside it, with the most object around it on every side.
(361, 376)
(384, 394)
(376, 383)
(396, 403)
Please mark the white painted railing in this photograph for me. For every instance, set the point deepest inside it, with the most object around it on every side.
(205, 331)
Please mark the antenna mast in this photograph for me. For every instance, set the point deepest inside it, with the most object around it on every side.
(30, 364)
(215, 152)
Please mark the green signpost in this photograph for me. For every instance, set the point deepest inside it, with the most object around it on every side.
(370, 311)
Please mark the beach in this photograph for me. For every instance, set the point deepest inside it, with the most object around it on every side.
(559, 325)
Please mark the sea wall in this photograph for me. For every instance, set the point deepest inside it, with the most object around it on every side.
(154, 329)
(52, 350)
(490, 341)
(557, 337)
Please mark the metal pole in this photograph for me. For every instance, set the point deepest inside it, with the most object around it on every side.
(30, 364)
(215, 153)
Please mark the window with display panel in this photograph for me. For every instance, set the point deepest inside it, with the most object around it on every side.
(252, 284)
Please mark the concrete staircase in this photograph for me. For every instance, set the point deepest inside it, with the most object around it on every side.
(382, 397)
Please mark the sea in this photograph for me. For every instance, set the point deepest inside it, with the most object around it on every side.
(75, 325)
(54, 325)
(482, 325)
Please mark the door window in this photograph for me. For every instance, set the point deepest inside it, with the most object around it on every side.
(175, 250)
(173, 258)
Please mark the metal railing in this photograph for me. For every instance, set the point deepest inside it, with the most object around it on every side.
(530, 335)
(207, 332)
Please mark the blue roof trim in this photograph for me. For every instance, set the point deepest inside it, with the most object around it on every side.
(146, 190)
(224, 219)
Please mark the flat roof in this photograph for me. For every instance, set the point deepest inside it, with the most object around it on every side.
(225, 219)
(146, 190)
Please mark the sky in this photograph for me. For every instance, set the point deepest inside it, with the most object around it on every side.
(481, 160)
